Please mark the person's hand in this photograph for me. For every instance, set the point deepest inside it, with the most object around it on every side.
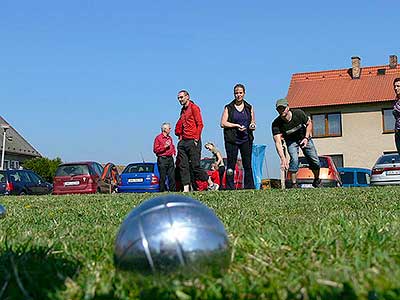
(284, 164)
(196, 142)
(304, 142)
(167, 144)
(252, 126)
(242, 128)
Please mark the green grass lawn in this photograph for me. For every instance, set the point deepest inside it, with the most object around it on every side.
(294, 244)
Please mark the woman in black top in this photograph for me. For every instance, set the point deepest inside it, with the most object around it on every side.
(238, 122)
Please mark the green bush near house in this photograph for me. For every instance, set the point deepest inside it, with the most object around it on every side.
(45, 167)
(295, 244)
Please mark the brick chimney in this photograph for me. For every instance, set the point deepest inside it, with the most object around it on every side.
(393, 61)
(355, 67)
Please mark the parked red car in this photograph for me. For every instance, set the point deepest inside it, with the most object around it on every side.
(206, 162)
(329, 175)
(87, 177)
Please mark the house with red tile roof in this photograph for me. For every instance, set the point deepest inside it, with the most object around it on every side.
(351, 110)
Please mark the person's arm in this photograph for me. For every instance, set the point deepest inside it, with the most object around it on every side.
(173, 146)
(253, 120)
(281, 153)
(198, 120)
(224, 120)
(219, 158)
(307, 137)
(158, 148)
(178, 129)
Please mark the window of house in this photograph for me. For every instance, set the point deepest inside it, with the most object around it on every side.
(387, 120)
(14, 164)
(327, 124)
(6, 164)
(337, 159)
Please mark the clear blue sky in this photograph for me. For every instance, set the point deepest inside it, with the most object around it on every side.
(95, 79)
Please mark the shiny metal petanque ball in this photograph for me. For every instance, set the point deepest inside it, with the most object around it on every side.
(3, 211)
(172, 234)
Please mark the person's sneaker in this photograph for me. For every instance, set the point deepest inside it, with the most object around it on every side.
(213, 187)
(316, 183)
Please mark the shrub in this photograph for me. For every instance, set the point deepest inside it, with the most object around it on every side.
(45, 167)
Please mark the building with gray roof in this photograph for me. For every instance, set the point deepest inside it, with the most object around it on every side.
(17, 149)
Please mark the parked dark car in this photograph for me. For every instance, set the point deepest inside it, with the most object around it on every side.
(386, 170)
(355, 177)
(87, 177)
(140, 178)
(23, 182)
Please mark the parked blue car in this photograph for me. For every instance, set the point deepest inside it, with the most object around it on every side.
(23, 182)
(355, 177)
(140, 178)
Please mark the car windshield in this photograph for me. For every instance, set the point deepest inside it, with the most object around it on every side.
(303, 163)
(139, 168)
(389, 159)
(347, 177)
(363, 178)
(72, 170)
(205, 163)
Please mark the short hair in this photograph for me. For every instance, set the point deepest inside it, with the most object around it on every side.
(396, 80)
(239, 85)
(185, 92)
(165, 124)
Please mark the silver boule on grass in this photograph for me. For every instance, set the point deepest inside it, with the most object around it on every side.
(171, 235)
(3, 211)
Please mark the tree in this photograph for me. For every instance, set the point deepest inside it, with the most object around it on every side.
(45, 167)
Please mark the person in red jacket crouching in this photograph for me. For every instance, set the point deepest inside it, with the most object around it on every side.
(214, 176)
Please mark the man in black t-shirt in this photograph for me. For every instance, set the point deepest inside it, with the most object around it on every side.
(295, 127)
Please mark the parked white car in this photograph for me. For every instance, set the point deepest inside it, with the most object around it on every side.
(386, 170)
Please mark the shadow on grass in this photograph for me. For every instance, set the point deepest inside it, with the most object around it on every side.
(29, 272)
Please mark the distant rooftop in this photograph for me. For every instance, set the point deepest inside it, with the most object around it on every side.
(338, 87)
(16, 144)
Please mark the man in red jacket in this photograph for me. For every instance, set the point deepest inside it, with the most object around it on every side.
(164, 148)
(188, 129)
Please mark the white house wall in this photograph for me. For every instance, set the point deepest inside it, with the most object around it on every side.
(362, 140)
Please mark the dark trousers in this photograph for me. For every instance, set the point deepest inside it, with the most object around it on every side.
(167, 170)
(397, 140)
(221, 171)
(189, 160)
(232, 151)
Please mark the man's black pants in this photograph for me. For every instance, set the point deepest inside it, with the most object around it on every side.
(189, 158)
(167, 169)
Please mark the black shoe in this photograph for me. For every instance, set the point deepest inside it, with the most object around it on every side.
(316, 183)
(294, 186)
